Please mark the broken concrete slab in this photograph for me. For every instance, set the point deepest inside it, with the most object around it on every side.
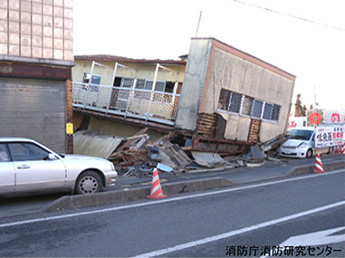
(95, 145)
(256, 154)
(207, 159)
(273, 143)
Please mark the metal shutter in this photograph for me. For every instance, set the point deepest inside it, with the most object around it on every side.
(34, 109)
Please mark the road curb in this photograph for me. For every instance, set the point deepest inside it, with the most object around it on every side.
(309, 169)
(103, 198)
(82, 201)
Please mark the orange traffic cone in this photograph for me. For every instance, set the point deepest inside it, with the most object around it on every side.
(156, 189)
(343, 149)
(318, 164)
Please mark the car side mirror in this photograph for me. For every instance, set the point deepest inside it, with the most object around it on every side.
(51, 156)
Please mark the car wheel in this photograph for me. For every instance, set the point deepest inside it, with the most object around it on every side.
(88, 182)
(309, 153)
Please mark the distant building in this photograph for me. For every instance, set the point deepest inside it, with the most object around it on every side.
(36, 57)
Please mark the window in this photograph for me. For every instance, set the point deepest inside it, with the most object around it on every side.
(230, 101)
(4, 155)
(140, 84)
(268, 111)
(127, 83)
(95, 79)
(271, 112)
(300, 134)
(257, 109)
(160, 85)
(169, 87)
(247, 106)
(235, 102)
(275, 112)
(117, 82)
(27, 152)
(224, 98)
(143, 85)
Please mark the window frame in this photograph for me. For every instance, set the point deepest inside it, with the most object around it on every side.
(7, 152)
(227, 101)
(238, 105)
(89, 85)
(267, 105)
(14, 158)
(251, 105)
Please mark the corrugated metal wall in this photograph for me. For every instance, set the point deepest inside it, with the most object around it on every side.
(35, 109)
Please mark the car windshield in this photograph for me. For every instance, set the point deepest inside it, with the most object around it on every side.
(300, 134)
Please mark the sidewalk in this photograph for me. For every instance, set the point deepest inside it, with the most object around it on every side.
(135, 188)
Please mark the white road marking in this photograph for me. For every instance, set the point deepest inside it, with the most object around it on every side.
(239, 231)
(324, 237)
(313, 239)
(148, 203)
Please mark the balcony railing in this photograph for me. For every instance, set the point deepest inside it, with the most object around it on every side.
(128, 102)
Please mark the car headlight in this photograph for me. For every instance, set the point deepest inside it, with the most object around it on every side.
(112, 167)
(303, 144)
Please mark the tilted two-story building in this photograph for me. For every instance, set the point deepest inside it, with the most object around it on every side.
(246, 99)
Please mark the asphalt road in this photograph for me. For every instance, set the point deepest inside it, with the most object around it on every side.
(202, 224)
(33, 204)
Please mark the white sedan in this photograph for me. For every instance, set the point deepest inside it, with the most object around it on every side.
(27, 166)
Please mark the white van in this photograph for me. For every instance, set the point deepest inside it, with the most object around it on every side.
(300, 143)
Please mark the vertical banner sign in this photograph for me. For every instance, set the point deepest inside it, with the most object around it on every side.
(324, 137)
(329, 136)
(338, 134)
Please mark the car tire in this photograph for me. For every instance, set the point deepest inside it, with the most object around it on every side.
(309, 153)
(88, 182)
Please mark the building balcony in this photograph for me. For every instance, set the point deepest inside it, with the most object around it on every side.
(149, 105)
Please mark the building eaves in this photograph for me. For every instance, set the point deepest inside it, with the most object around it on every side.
(112, 58)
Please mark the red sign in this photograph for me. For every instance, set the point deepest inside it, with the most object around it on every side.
(293, 124)
(315, 118)
(335, 118)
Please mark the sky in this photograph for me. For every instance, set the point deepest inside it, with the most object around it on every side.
(303, 37)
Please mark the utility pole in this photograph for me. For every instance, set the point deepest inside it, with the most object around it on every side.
(197, 28)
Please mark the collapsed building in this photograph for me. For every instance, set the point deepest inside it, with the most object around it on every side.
(216, 99)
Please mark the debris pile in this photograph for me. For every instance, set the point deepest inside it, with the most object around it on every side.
(132, 151)
(137, 155)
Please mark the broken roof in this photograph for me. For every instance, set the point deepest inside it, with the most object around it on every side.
(112, 58)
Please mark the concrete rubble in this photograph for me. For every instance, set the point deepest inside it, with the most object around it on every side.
(137, 156)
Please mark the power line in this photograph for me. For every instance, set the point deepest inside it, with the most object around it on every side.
(293, 16)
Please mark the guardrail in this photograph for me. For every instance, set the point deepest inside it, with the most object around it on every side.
(137, 103)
